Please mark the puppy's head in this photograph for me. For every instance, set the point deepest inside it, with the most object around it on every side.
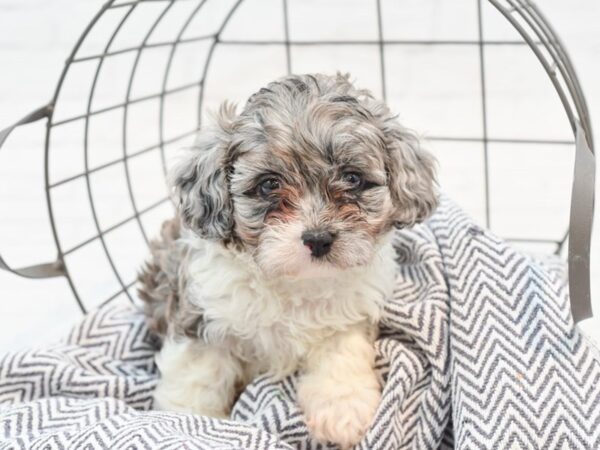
(308, 178)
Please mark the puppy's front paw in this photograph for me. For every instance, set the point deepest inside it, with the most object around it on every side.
(340, 414)
(202, 402)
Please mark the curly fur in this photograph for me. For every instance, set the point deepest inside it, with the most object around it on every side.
(234, 291)
(164, 282)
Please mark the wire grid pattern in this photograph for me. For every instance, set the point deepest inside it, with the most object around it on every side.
(202, 25)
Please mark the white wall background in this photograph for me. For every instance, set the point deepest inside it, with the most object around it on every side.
(36, 36)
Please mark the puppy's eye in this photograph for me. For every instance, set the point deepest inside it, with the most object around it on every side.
(354, 180)
(268, 185)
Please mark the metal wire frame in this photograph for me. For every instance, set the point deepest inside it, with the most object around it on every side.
(124, 286)
(522, 14)
(559, 61)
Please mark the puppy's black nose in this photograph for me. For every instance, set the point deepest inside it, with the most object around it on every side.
(319, 242)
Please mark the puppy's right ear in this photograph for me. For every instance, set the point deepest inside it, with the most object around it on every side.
(199, 180)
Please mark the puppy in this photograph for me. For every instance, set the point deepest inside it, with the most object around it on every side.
(280, 259)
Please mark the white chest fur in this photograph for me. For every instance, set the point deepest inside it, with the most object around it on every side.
(272, 323)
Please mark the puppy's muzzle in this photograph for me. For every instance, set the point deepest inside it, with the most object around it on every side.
(319, 242)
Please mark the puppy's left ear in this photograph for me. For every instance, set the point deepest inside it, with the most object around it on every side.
(199, 180)
(412, 175)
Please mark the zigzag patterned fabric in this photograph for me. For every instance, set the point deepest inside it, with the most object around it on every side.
(477, 350)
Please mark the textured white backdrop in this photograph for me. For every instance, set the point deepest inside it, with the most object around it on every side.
(36, 37)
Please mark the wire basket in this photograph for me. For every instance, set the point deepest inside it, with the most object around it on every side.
(141, 78)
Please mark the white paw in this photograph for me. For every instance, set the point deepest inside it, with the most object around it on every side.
(342, 414)
(195, 378)
(166, 398)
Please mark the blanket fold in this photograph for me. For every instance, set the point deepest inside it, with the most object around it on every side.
(477, 349)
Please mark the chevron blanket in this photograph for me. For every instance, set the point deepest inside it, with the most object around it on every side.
(477, 350)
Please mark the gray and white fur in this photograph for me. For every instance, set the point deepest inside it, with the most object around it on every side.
(280, 258)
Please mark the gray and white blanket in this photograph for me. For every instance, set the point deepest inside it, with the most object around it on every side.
(477, 350)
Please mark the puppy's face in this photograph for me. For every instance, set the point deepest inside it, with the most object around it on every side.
(310, 193)
(308, 178)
